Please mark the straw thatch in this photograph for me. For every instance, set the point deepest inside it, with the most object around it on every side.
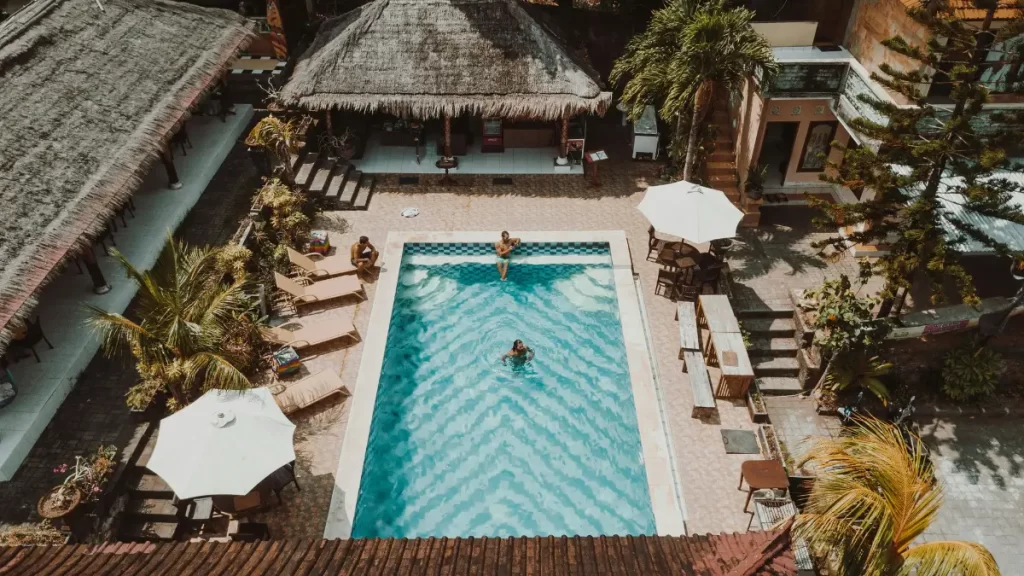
(89, 93)
(428, 58)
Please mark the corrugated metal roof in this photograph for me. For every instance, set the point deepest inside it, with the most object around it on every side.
(750, 554)
(1003, 231)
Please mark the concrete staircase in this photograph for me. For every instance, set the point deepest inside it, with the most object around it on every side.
(774, 351)
(341, 185)
(722, 172)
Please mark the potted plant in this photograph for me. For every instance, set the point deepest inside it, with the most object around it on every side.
(755, 405)
(755, 181)
(341, 145)
(83, 484)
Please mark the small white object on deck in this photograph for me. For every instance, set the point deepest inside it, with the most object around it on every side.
(410, 213)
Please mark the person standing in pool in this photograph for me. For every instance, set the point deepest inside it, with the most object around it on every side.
(520, 354)
(504, 248)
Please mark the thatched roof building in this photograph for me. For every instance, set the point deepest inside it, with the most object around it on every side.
(88, 96)
(430, 58)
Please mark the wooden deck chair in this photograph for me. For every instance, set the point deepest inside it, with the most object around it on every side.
(309, 391)
(302, 333)
(319, 291)
(319, 266)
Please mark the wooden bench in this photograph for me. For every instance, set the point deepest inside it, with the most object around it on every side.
(689, 336)
(700, 384)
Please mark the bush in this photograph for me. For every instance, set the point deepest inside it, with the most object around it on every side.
(971, 373)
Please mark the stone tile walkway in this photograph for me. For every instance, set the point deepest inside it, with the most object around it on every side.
(980, 463)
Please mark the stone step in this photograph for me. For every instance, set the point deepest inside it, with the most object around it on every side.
(721, 168)
(769, 327)
(763, 312)
(348, 191)
(775, 366)
(322, 177)
(362, 199)
(777, 385)
(304, 174)
(337, 182)
(773, 347)
(153, 509)
(723, 156)
(133, 530)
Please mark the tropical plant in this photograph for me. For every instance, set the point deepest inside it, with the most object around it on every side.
(194, 331)
(971, 372)
(846, 331)
(754, 185)
(690, 50)
(858, 370)
(874, 495)
(41, 534)
(928, 165)
(287, 219)
(232, 260)
(280, 138)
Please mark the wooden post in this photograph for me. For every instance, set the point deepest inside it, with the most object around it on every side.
(447, 136)
(563, 150)
(99, 283)
(172, 174)
(330, 127)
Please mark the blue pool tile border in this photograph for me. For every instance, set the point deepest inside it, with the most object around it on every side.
(487, 249)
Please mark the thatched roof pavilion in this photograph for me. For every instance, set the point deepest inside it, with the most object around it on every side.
(88, 97)
(433, 58)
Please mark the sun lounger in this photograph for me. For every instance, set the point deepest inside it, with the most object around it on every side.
(328, 289)
(309, 391)
(309, 331)
(319, 266)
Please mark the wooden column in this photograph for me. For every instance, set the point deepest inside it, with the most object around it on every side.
(330, 127)
(99, 283)
(447, 136)
(172, 174)
(563, 150)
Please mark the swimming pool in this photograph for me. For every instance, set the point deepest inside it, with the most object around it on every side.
(464, 445)
(454, 443)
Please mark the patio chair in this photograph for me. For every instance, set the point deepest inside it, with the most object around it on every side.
(294, 396)
(240, 506)
(320, 266)
(710, 275)
(319, 291)
(309, 331)
(33, 335)
(668, 281)
(654, 244)
(281, 478)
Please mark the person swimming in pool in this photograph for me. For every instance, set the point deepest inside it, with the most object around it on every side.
(520, 354)
(504, 248)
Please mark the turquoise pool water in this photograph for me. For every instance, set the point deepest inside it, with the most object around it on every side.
(461, 445)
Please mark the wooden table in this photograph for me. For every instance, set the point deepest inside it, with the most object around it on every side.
(762, 475)
(727, 352)
(714, 312)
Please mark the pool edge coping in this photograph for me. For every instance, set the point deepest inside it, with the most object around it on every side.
(667, 510)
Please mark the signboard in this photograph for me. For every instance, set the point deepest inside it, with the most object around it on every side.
(277, 39)
(596, 156)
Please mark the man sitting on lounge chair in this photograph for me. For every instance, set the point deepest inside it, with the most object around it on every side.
(363, 254)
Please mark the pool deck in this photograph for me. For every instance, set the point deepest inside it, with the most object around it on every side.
(668, 510)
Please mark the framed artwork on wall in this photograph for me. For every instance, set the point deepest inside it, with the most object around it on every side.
(817, 146)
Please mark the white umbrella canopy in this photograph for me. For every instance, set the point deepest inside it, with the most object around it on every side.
(690, 211)
(224, 443)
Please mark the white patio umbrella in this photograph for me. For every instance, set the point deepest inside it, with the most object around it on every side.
(224, 443)
(690, 211)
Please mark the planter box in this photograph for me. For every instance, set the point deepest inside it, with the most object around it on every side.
(769, 442)
(758, 415)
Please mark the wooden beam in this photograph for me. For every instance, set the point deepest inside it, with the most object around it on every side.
(447, 136)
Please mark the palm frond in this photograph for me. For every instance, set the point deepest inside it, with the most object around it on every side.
(949, 557)
(215, 371)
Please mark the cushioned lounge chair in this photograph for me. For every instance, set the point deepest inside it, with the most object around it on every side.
(328, 289)
(298, 395)
(309, 331)
(319, 266)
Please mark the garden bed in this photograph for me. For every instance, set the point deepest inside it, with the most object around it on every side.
(755, 405)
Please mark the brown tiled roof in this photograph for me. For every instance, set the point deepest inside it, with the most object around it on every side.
(966, 10)
(750, 554)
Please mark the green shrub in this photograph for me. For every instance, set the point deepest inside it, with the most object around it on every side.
(970, 373)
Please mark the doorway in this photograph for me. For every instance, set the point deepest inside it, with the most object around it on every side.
(776, 149)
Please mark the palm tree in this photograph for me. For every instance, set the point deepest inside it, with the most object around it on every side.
(690, 50)
(874, 496)
(195, 331)
(280, 138)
